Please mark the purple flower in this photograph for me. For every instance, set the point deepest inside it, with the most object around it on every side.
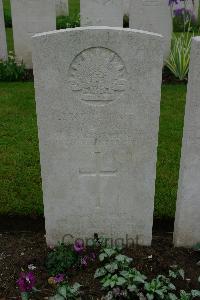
(26, 282)
(184, 12)
(79, 246)
(59, 278)
(172, 2)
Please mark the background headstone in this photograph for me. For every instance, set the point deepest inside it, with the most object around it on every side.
(98, 104)
(187, 223)
(101, 13)
(3, 43)
(154, 16)
(126, 6)
(30, 17)
(62, 8)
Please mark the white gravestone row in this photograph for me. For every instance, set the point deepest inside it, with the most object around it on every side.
(62, 8)
(98, 102)
(187, 223)
(30, 17)
(101, 13)
(150, 15)
(3, 43)
(106, 149)
(154, 16)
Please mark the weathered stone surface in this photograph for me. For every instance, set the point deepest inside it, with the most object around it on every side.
(126, 7)
(98, 99)
(3, 43)
(62, 8)
(101, 13)
(154, 16)
(187, 223)
(30, 17)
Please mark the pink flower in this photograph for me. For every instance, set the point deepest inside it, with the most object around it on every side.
(26, 282)
(79, 246)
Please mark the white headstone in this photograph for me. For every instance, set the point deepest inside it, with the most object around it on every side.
(3, 43)
(62, 8)
(126, 6)
(30, 17)
(101, 13)
(98, 100)
(193, 6)
(154, 16)
(187, 223)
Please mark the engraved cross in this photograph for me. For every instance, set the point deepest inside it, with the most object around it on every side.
(98, 173)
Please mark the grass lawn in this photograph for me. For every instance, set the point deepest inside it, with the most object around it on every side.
(6, 6)
(9, 35)
(169, 148)
(7, 9)
(20, 185)
(74, 6)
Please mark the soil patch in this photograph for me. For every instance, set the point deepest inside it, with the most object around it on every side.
(19, 249)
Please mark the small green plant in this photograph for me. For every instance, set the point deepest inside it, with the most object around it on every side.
(70, 21)
(188, 295)
(60, 259)
(10, 70)
(134, 279)
(116, 276)
(111, 281)
(175, 272)
(159, 288)
(114, 263)
(179, 58)
(66, 292)
(108, 253)
(197, 247)
(122, 281)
